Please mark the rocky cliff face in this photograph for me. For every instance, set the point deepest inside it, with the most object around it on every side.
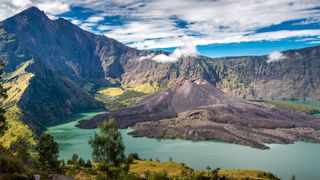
(138, 72)
(295, 76)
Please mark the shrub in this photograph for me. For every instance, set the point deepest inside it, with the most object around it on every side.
(88, 164)
(131, 157)
(10, 164)
(156, 175)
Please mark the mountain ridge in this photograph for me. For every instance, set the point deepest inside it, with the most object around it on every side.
(116, 61)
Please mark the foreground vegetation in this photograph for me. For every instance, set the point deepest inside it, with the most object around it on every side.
(155, 170)
(173, 170)
(25, 160)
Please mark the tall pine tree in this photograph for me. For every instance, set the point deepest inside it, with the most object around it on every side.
(108, 147)
(48, 151)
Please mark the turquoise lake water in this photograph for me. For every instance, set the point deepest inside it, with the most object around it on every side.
(301, 159)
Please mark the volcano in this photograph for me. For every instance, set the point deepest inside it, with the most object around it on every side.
(54, 69)
(196, 109)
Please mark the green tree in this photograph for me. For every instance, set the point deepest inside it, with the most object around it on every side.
(81, 162)
(214, 173)
(74, 159)
(48, 151)
(3, 95)
(108, 147)
(208, 169)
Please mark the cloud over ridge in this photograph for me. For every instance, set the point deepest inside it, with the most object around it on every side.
(275, 56)
(187, 50)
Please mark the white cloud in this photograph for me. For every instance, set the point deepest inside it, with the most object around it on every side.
(311, 20)
(53, 7)
(162, 58)
(21, 3)
(221, 21)
(225, 38)
(187, 50)
(147, 57)
(275, 56)
(103, 27)
(75, 21)
(52, 17)
(150, 23)
(314, 42)
(95, 19)
(140, 31)
(87, 26)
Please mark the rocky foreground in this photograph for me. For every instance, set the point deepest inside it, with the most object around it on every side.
(197, 110)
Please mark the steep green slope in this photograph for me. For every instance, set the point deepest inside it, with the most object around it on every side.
(38, 98)
(16, 83)
(44, 98)
(56, 97)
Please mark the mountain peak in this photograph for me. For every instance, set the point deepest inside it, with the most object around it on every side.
(32, 14)
(33, 11)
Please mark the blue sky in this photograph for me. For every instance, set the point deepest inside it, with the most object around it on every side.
(249, 48)
(215, 27)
